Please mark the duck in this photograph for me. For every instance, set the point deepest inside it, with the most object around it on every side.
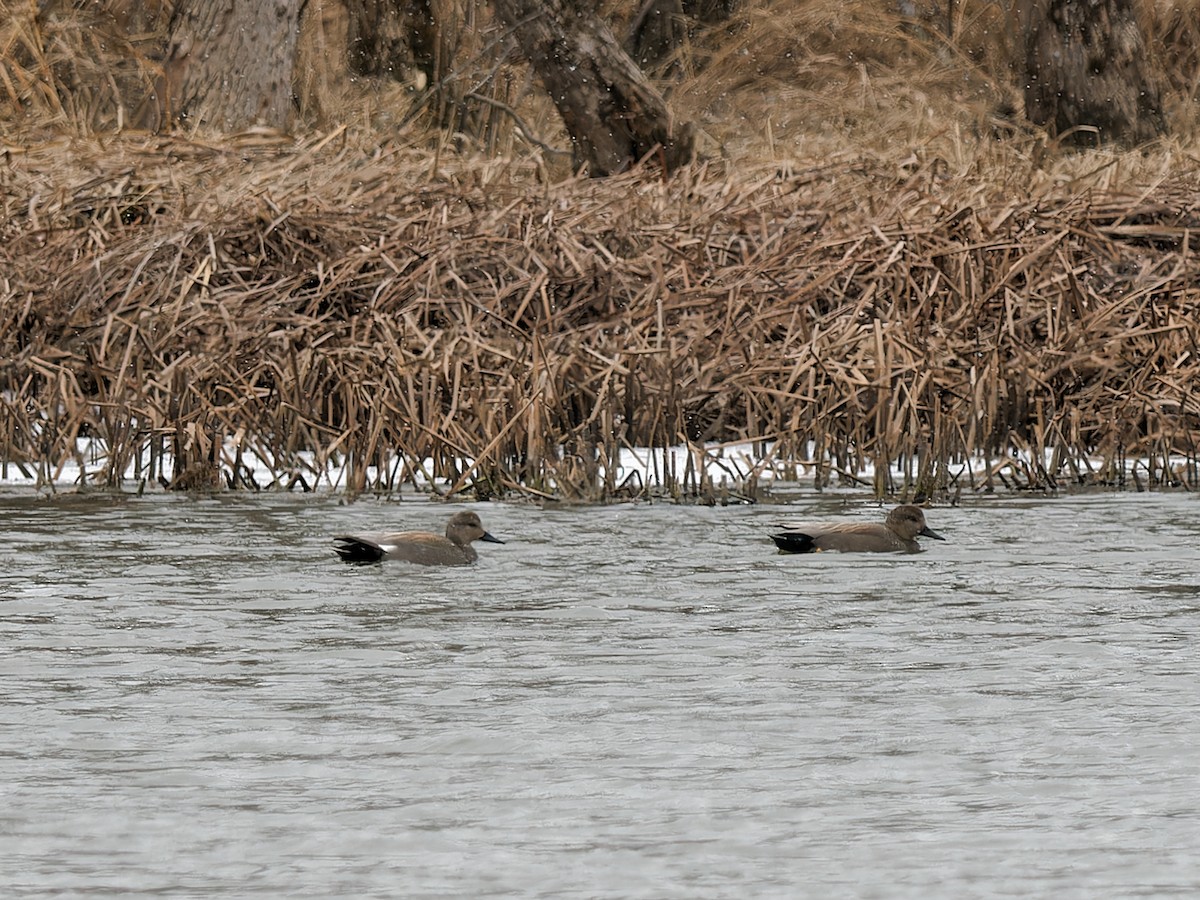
(422, 547)
(896, 534)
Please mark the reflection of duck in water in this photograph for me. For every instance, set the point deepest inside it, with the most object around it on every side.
(423, 547)
(897, 534)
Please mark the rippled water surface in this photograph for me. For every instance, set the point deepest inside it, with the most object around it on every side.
(636, 701)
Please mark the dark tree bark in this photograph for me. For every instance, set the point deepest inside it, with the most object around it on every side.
(660, 27)
(390, 38)
(612, 112)
(1085, 65)
(229, 64)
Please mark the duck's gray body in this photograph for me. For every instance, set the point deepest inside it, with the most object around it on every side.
(897, 534)
(421, 547)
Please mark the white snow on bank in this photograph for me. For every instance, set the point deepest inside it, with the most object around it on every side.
(732, 467)
(728, 464)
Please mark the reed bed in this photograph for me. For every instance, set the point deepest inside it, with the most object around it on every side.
(473, 328)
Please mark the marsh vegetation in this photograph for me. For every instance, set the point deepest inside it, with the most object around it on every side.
(871, 273)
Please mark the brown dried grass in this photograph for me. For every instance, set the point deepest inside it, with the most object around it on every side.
(319, 304)
(868, 278)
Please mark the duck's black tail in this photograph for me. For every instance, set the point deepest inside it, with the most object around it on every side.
(794, 542)
(356, 550)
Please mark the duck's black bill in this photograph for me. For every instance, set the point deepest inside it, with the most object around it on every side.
(491, 539)
(930, 533)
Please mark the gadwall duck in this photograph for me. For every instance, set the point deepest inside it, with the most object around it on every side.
(423, 547)
(897, 534)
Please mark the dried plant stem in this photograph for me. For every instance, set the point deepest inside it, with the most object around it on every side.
(475, 331)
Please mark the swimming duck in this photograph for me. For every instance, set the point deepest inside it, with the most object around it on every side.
(422, 547)
(897, 534)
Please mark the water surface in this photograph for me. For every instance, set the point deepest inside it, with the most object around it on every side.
(629, 701)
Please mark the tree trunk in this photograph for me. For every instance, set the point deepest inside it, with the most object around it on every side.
(660, 27)
(1086, 68)
(230, 64)
(612, 112)
(392, 38)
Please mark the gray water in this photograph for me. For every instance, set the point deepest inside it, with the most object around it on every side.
(636, 701)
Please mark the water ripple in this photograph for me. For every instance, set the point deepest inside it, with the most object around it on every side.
(638, 701)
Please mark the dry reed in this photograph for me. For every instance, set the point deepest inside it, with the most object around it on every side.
(867, 282)
(312, 304)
